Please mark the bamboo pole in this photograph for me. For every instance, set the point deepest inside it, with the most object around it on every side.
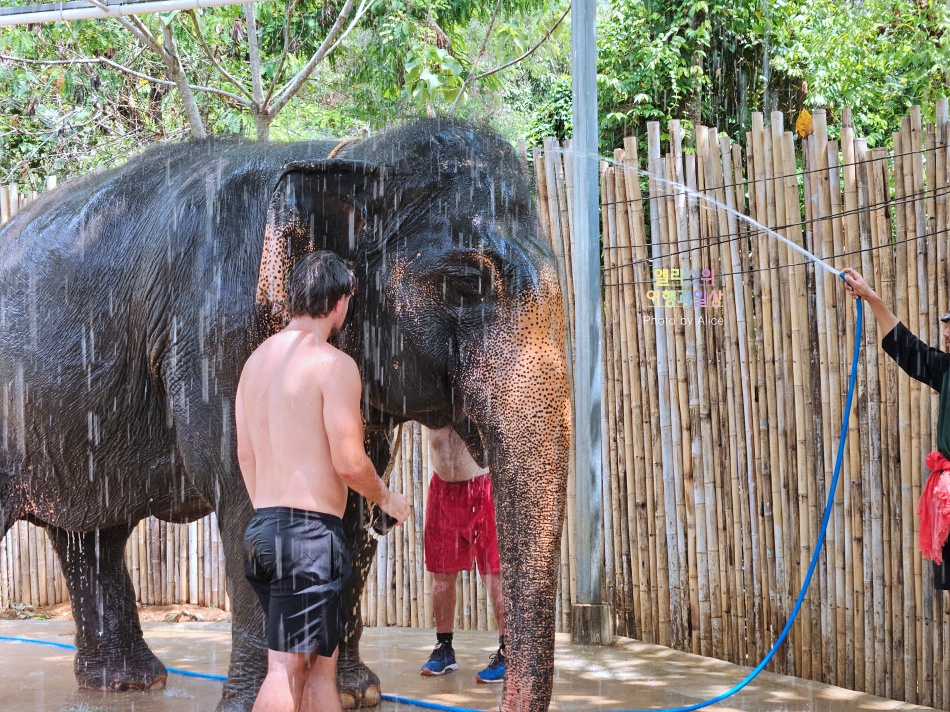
(920, 290)
(713, 359)
(680, 419)
(940, 187)
(857, 236)
(614, 419)
(767, 380)
(835, 664)
(738, 403)
(783, 387)
(657, 556)
(5, 597)
(639, 596)
(672, 486)
(890, 474)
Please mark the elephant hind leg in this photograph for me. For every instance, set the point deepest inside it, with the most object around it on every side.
(111, 652)
(11, 495)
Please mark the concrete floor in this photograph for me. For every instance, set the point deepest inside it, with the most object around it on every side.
(630, 674)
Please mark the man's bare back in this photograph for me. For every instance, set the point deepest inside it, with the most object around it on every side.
(283, 392)
(300, 423)
(449, 457)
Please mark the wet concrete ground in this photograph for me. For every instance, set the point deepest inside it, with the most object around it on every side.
(628, 675)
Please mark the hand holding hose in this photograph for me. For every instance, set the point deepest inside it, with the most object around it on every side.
(859, 289)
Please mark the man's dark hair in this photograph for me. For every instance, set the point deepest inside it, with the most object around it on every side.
(318, 282)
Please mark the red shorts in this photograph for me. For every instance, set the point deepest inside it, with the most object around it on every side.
(460, 527)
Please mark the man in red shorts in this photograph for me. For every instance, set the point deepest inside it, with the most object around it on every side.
(460, 529)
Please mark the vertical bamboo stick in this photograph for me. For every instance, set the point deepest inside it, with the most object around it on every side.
(4, 575)
(784, 380)
(740, 429)
(614, 418)
(608, 498)
(857, 435)
(890, 475)
(767, 381)
(639, 598)
(656, 557)
(835, 664)
(424, 481)
(921, 414)
(674, 535)
(714, 359)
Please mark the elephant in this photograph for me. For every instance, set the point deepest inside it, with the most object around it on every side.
(130, 299)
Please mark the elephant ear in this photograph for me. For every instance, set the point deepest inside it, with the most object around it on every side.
(316, 205)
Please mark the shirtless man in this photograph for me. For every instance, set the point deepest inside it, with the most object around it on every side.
(460, 529)
(300, 446)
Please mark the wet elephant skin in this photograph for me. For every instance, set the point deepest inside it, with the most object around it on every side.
(130, 299)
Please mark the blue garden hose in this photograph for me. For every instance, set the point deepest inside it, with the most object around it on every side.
(826, 518)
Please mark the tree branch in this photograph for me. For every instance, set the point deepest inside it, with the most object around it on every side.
(254, 55)
(283, 55)
(138, 29)
(360, 11)
(293, 86)
(529, 52)
(115, 65)
(181, 81)
(217, 65)
(481, 51)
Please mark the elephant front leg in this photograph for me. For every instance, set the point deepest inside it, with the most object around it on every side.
(111, 652)
(357, 684)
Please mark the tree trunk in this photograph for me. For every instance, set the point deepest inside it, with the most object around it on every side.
(262, 121)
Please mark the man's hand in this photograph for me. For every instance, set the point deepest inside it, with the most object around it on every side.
(396, 506)
(857, 287)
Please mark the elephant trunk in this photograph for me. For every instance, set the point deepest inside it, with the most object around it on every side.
(518, 395)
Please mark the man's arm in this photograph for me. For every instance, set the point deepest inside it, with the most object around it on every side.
(344, 424)
(245, 452)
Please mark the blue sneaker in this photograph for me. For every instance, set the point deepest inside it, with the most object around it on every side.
(441, 661)
(495, 672)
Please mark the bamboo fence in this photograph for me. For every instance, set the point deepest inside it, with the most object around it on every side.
(723, 419)
(720, 421)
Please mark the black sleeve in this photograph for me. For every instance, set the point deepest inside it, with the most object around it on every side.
(925, 363)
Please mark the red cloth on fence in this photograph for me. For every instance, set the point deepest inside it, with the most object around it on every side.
(934, 508)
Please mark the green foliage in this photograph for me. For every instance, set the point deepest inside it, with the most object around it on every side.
(661, 59)
(714, 61)
(878, 57)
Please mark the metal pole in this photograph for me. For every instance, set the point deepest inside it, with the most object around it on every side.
(66, 11)
(591, 621)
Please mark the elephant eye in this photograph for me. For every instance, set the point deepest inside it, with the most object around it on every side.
(465, 286)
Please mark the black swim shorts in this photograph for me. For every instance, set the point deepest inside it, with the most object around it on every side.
(298, 561)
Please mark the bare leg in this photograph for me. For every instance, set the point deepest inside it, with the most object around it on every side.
(284, 683)
(493, 584)
(443, 602)
(320, 692)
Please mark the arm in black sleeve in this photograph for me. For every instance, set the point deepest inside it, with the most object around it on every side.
(924, 363)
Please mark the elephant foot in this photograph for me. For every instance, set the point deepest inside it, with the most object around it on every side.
(357, 684)
(235, 704)
(133, 672)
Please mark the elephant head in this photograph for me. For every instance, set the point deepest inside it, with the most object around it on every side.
(458, 319)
